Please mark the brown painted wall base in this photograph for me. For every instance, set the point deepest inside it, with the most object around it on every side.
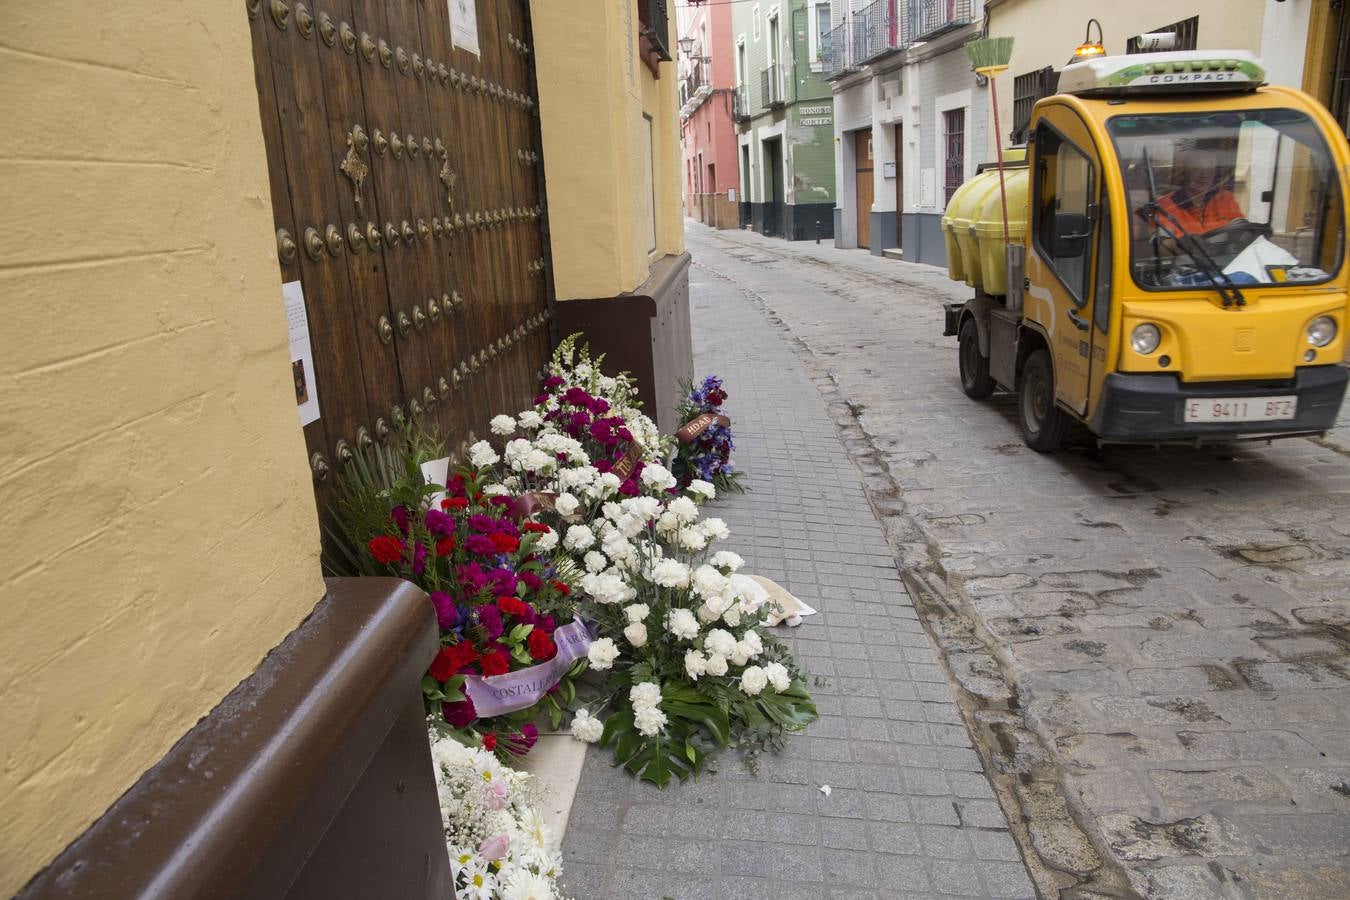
(312, 778)
(645, 333)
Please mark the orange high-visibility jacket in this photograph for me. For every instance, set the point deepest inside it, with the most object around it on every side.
(1214, 211)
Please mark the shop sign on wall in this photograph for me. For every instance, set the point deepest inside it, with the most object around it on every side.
(815, 115)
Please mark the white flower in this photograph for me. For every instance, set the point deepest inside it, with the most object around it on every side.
(725, 559)
(478, 884)
(530, 419)
(753, 681)
(566, 505)
(602, 653)
(644, 693)
(682, 624)
(649, 720)
(707, 614)
(709, 582)
(703, 489)
(636, 634)
(740, 654)
(595, 561)
(684, 508)
(717, 665)
(618, 548)
(644, 508)
(579, 478)
(657, 477)
(539, 461)
(732, 616)
(547, 540)
(695, 664)
(691, 539)
(526, 885)
(670, 573)
(584, 372)
(715, 529)
(495, 490)
(607, 484)
(668, 523)
(586, 727)
(607, 587)
(719, 642)
(482, 455)
(578, 538)
(637, 612)
(778, 676)
(502, 425)
(755, 642)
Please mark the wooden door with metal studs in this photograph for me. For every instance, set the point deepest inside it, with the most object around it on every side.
(403, 151)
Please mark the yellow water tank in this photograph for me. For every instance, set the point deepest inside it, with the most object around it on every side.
(972, 226)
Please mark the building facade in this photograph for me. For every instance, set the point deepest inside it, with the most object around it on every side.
(784, 117)
(611, 136)
(910, 120)
(708, 130)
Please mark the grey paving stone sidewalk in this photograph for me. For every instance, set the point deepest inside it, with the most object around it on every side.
(910, 813)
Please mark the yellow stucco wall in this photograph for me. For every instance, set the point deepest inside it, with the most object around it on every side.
(1045, 33)
(594, 99)
(156, 517)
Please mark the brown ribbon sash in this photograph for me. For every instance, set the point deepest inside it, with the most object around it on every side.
(624, 467)
(690, 430)
(529, 503)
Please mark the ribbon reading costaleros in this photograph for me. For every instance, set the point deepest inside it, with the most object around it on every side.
(699, 424)
(497, 695)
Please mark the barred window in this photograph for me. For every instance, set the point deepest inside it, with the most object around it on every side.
(1027, 89)
(1187, 32)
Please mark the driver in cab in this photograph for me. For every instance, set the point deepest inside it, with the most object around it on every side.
(1203, 202)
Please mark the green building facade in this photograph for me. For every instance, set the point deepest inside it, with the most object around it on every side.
(784, 112)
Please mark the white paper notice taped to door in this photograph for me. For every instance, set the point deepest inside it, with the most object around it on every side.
(302, 358)
(464, 25)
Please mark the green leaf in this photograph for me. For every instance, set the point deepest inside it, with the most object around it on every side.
(711, 717)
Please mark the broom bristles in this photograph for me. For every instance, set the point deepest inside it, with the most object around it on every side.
(989, 52)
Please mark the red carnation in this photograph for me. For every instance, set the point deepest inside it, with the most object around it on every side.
(386, 549)
(512, 606)
(504, 543)
(561, 588)
(498, 662)
(445, 546)
(454, 503)
(450, 660)
(536, 527)
(541, 645)
(489, 742)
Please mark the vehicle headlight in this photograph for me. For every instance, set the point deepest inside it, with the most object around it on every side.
(1321, 331)
(1145, 338)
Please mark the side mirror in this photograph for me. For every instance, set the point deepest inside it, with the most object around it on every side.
(1072, 231)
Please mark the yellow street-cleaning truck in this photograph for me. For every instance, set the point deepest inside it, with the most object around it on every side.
(1173, 264)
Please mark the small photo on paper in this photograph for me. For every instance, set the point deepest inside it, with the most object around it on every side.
(301, 382)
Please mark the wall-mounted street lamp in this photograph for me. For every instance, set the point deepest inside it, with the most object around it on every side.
(686, 45)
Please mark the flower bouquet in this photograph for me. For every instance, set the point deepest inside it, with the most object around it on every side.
(499, 845)
(703, 443)
(500, 604)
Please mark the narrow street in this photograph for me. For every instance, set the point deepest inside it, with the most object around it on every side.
(1150, 644)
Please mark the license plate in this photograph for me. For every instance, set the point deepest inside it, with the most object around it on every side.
(1241, 409)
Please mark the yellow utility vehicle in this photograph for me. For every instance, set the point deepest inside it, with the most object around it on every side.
(1175, 264)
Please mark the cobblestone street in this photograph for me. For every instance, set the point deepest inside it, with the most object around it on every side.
(1150, 644)
(909, 811)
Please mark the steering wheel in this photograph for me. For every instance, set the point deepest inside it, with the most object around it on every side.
(1233, 238)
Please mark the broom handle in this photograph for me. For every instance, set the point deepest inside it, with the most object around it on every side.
(998, 146)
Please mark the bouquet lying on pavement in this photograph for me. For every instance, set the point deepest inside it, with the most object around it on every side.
(703, 443)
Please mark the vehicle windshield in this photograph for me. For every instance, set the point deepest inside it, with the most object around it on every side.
(1251, 194)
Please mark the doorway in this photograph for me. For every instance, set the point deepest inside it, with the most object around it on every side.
(745, 186)
(899, 187)
(773, 187)
(862, 155)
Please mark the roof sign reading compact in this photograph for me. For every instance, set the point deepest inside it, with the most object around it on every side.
(1187, 70)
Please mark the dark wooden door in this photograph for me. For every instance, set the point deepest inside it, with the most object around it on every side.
(899, 187)
(406, 184)
(773, 187)
(862, 149)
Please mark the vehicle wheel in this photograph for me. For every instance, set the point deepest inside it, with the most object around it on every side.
(1043, 423)
(975, 379)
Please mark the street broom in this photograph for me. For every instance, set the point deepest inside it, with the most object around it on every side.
(989, 57)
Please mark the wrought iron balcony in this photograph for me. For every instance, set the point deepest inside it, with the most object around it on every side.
(654, 26)
(740, 104)
(888, 25)
(929, 18)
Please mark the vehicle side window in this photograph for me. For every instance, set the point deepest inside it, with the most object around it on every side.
(1101, 310)
(1063, 222)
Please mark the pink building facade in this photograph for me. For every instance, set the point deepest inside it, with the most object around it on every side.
(711, 165)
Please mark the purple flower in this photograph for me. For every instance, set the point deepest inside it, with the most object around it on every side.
(479, 544)
(553, 381)
(459, 714)
(547, 623)
(490, 617)
(439, 523)
(400, 516)
(503, 582)
(446, 613)
(472, 578)
(419, 558)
